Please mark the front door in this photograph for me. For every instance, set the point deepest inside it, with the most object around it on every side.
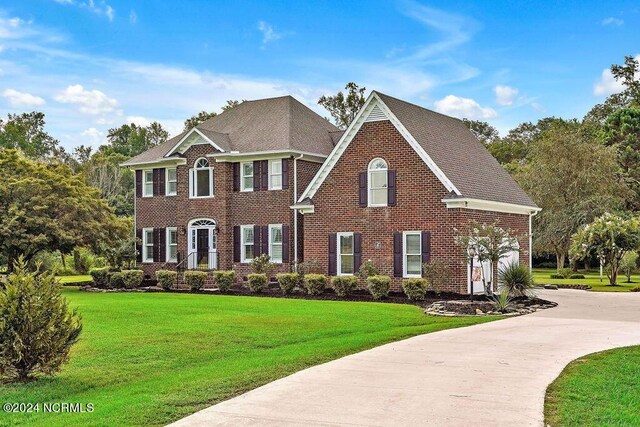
(202, 248)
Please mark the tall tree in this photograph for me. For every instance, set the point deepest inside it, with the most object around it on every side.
(513, 150)
(131, 140)
(343, 108)
(116, 184)
(196, 119)
(629, 75)
(232, 103)
(485, 133)
(26, 133)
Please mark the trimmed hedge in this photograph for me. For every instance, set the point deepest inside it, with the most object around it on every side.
(224, 279)
(576, 276)
(132, 278)
(379, 286)
(257, 282)
(315, 283)
(100, 277)
(415, 289)
(166, 278)
(287, 281)
(116, 280)
(344, 285)
(195, 279)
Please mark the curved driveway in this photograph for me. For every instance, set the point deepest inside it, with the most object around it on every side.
(494, 374)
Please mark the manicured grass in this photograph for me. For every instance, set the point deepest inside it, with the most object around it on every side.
(152, 358)
(601, 389)
(541, 277)
(65, 280)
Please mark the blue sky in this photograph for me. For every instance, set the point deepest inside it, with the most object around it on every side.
(92, 65)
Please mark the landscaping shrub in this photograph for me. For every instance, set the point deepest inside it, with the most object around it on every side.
(132, 278)
(82, 260)
(635, 289)
(315, 283)
(565, 272)
(437, 274)
(556, 276)
(262, 265)
(37, 329)
(367, 269)
(576, 276)
(195, 279)
(117, 280)
(344, 285)
(100, 277)
(379, 286)
(502, 302)
(224, 279)
(516, 280)
(257, 282)
(287, 281)
(415, 289)
(166, 278)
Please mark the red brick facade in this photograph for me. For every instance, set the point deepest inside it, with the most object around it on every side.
(419, 207)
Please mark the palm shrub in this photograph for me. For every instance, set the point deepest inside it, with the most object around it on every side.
(516, 280)
(315, 283)
(344, 285)
(379, 286)
(132, 278)
(257, 282)
(415, 289)
(195, 279)
(100, 277)
(224, 279)
(166, 278)
(287, 281)
(37, 328)
(502, 302)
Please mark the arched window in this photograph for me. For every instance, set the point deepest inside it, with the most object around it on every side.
(201, 179)
(378, 194)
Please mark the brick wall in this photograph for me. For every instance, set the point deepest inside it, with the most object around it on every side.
(419, 207)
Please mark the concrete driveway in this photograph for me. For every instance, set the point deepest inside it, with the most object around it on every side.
(493, 374)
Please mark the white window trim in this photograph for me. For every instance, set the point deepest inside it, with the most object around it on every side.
(274, 226)
(192, 181)
(404, 253)
(168, 244)
(370, 181)
(242, 244)
(146, 256)
(271, 162)
(144, 183)
(243, 176)
(166, 180)
(338, 254)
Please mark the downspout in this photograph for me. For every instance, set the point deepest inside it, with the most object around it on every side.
(295, 211)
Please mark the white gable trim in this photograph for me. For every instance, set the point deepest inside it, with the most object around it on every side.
(370, 104)
(186, 136)
(488, 205)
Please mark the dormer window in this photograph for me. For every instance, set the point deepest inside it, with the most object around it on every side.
(201, 179)
(378, 194)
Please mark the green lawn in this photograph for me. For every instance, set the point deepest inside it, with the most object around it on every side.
(65, 280)
(152, 358)
(601, 389)
(541, 277)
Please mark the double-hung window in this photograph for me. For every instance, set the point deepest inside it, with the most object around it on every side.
(378, 192)
(412, 257)
(275, 243)
(201, 179)
(345, 256)
(246, 176)
(147, 245)
(247, 242)
(172, 182)
(147, 183)
(172, 244)
(275, 174)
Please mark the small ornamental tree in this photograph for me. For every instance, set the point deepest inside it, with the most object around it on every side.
(486, 243)
(37, 329)
(609, 237)
(628, 264)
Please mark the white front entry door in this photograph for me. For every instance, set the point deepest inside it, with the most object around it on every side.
(203, 252)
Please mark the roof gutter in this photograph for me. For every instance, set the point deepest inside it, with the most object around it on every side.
(489, 205)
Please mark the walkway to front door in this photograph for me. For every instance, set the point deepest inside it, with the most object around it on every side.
(203, 245)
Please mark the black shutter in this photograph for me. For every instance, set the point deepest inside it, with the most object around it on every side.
(333, 256)
(397, 254)
(162, 173)
(156, 244)
(236, 243)
(362, 185)
(236, 177)
(155, 174)
(426, 247)
(162, 244)
(265, 240)
(264, 175)
(139, 242)
(256, 175)
(357, 251)
(391, 188)
(285, 174)
(257, 232)
(138, 183)
(285, 243)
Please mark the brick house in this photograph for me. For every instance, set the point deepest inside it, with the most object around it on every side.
(271, 176)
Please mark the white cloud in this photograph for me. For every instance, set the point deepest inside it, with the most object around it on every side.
(92, 102)
(22, 99)
(608, 84)
(505, 95)
(463, 108)
(612, 21)
(99, 8)
(268, 33)
(93, 136)
(133, 17)
(538, 107)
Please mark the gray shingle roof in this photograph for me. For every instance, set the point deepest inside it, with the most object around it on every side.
(281, 123)
(457, 152)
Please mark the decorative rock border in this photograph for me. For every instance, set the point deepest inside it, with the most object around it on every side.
(484, 308)
(565, 286)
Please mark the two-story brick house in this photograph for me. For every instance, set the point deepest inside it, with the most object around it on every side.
(220, 194)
